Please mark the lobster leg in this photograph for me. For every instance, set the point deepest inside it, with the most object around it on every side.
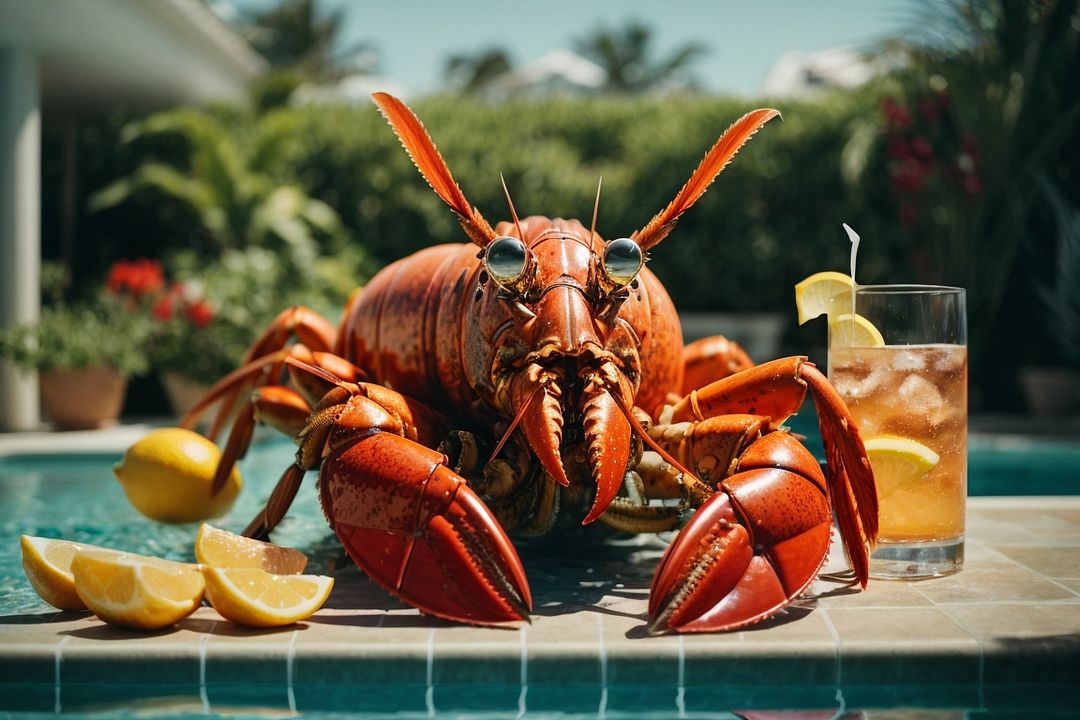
(305, 325)
(712, 358)
(279, 406)
(757, 543)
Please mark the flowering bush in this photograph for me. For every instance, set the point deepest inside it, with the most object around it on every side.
(933, 168)
(109, 329)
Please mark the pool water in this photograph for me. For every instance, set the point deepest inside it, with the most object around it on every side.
(76, 497)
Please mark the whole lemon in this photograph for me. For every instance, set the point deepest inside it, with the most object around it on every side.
(167, 476)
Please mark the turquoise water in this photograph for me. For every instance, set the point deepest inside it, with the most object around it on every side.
(76, 497)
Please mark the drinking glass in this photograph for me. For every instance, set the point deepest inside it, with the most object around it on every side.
(909, 396)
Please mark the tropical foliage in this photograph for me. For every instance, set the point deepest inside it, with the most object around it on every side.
(626, 54)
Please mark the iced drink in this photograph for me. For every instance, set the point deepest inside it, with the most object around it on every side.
(901, 367)
(918, 393)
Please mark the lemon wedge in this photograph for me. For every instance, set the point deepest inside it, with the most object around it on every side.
(223, 549)
(847, 330)
(47, 564)
(898, 462)
(822, 293)
(136, 591)
(256, 598)
(167, 476)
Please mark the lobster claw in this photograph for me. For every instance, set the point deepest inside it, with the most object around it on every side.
(751, 548)
(416, 529)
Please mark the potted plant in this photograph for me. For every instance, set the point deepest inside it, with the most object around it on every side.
(84, 351)
(1054, 389)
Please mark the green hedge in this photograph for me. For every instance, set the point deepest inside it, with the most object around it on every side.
(771, 218)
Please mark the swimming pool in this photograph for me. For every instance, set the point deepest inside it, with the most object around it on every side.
(76, 497)
(585, 654)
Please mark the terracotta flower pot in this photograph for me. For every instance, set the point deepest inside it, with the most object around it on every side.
(82, 398)
(183, 393)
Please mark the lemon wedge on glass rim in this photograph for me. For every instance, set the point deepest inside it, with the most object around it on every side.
(847, 330)
(823, 293)
(898, 461)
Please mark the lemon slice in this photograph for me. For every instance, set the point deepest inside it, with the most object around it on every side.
(898, 462)
(136, 591)
(223, 549)
(256, 598)
(823, 293)
(47, 564)
(847, 330)
(167, 476)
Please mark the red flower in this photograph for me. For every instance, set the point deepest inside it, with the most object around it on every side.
(199, 313)
(922, 147)
(163, 308)
(135, 277)
(898, 148)
(896, 115)
(908, 176)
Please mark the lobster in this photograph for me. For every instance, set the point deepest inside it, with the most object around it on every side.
(534, 379)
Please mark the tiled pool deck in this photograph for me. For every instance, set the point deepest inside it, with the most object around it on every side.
(1005, 632)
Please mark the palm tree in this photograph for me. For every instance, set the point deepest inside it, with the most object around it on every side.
(472, 72)
(626, 55)
(295, 35)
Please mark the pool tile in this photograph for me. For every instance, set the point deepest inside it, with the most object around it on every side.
(1007, 621)
(1061, 562)
(990, 581)
(878, 593)
(895, 627)
(27, 664)
(371, 666)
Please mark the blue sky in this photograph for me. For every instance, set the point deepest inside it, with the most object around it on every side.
(744, 39)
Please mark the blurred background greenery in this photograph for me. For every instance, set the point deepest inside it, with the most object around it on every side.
(959, 165)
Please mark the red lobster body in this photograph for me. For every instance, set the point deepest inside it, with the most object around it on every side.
(420, 328)
(538, 372)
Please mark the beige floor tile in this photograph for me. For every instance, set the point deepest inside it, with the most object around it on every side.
(1011, 620)
(894, 626)
(1058, 562)
(990, 582)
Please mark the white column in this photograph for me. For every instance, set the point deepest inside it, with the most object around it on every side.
(20, 224)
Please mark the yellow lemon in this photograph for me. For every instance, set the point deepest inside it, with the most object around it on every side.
(823, 293)
(167, 475)
(256, 598)
(223, 549)
(898, 462)
(847, 330)
(47, 564)
(136, 591)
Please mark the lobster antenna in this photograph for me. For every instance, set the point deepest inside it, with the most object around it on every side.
(513, 212)
(596, 209)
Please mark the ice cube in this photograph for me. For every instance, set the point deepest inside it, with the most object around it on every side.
(859, 385)
(950, 360)
(920, 394)
(909, 360)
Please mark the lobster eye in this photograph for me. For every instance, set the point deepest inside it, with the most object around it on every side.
(622, 261)
(505, 260)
